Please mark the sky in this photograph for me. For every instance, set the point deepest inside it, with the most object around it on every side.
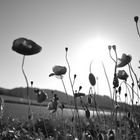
(86, 27)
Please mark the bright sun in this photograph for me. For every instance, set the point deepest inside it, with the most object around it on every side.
(95, 48)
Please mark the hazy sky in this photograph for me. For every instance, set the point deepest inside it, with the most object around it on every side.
(86, 27)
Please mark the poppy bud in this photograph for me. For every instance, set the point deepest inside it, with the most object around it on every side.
(31, 83)
(80, 87)
(119, 89)
(89, 100)
(125, 95)
(66, 49)
(115, 81)
(75, 76)
(136, 18)
(114, 47)
(92, 79)
(87, 113)
(109, 47)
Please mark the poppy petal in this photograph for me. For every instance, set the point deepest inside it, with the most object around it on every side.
(25, 46)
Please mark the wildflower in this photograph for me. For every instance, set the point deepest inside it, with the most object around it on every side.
(41, 95)
(124, 60)
(52, 105)
(58, 70)
(136, 18)
(25, 46)
(122, 75)
(92, 79)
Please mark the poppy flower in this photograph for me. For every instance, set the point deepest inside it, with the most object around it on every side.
(41, 95)
(92, 79)
(124, 60)
(122, 75)
(25, 46)
(58, 70)
(52, 105)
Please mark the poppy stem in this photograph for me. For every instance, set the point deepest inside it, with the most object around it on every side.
(137, 29)
(73, 91)
(29, 109)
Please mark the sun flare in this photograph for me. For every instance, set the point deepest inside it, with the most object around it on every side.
(95, 48)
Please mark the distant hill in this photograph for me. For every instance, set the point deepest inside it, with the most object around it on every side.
(103, 102)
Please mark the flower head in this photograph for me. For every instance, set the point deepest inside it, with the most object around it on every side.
(58, 71)
(41, 95)
(122, 75)
(124, 60)
(25, 46)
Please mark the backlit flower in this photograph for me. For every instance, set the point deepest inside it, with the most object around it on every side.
(58, 70)
(122, 75)
(124, 60)
(41, 95)
(25, 46)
